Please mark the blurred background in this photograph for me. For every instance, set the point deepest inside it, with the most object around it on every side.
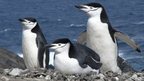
(61, 19)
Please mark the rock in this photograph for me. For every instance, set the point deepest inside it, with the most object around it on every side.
(135, 77)
(48, 77)
(53, 75)
(7, 71)
(16, 72)
(9, 59)
(4, 78)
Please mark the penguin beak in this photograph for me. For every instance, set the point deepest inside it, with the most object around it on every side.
(80, 6)
(49, 46)
(21, 20)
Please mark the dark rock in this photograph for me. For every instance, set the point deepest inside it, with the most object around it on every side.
(9, 59)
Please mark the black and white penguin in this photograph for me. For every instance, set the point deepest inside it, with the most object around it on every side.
(101, 37)
(74, 58)
(33, 42)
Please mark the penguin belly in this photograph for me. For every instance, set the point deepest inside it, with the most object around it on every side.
(99, 40)
(30, 50)
(70, 65)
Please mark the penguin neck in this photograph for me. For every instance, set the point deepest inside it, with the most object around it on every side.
(95, 18)
(64, 52)
(102, 17)
(36, 29)
(72, 51)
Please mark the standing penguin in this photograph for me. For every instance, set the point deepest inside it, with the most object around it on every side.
(33, 42)
(101, 37)
(74, 58)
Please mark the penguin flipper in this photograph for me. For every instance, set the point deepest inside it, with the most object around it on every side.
(82, 38)
(42, 51)
(127, 40)
(94, 64)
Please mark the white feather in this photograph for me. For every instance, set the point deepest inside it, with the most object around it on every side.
(68, 65)
(99, 39)
(30, 50)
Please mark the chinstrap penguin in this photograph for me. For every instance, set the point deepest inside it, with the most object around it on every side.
(33, 42)
(101, 37)
(74, 58)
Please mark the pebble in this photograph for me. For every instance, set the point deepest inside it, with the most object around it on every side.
(15, 72)
(48, 77)
(4, 78)
(52, 75)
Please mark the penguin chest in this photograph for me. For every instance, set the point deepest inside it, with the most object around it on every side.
(66, 64)
(99, 39)
(69, 65)
(30, 49)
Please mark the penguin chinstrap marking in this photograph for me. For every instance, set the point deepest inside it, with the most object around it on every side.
(33, 42)
(100, 36)
(74, 58)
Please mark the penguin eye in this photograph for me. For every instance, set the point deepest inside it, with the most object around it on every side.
(91, 7)
(59, 44)
(28, 22)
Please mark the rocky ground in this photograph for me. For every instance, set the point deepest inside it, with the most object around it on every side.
(12, 68)
(9, 59)
(52, 75)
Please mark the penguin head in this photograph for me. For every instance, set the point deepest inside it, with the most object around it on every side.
(28, 23)
(92, 9)
(60, 45)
